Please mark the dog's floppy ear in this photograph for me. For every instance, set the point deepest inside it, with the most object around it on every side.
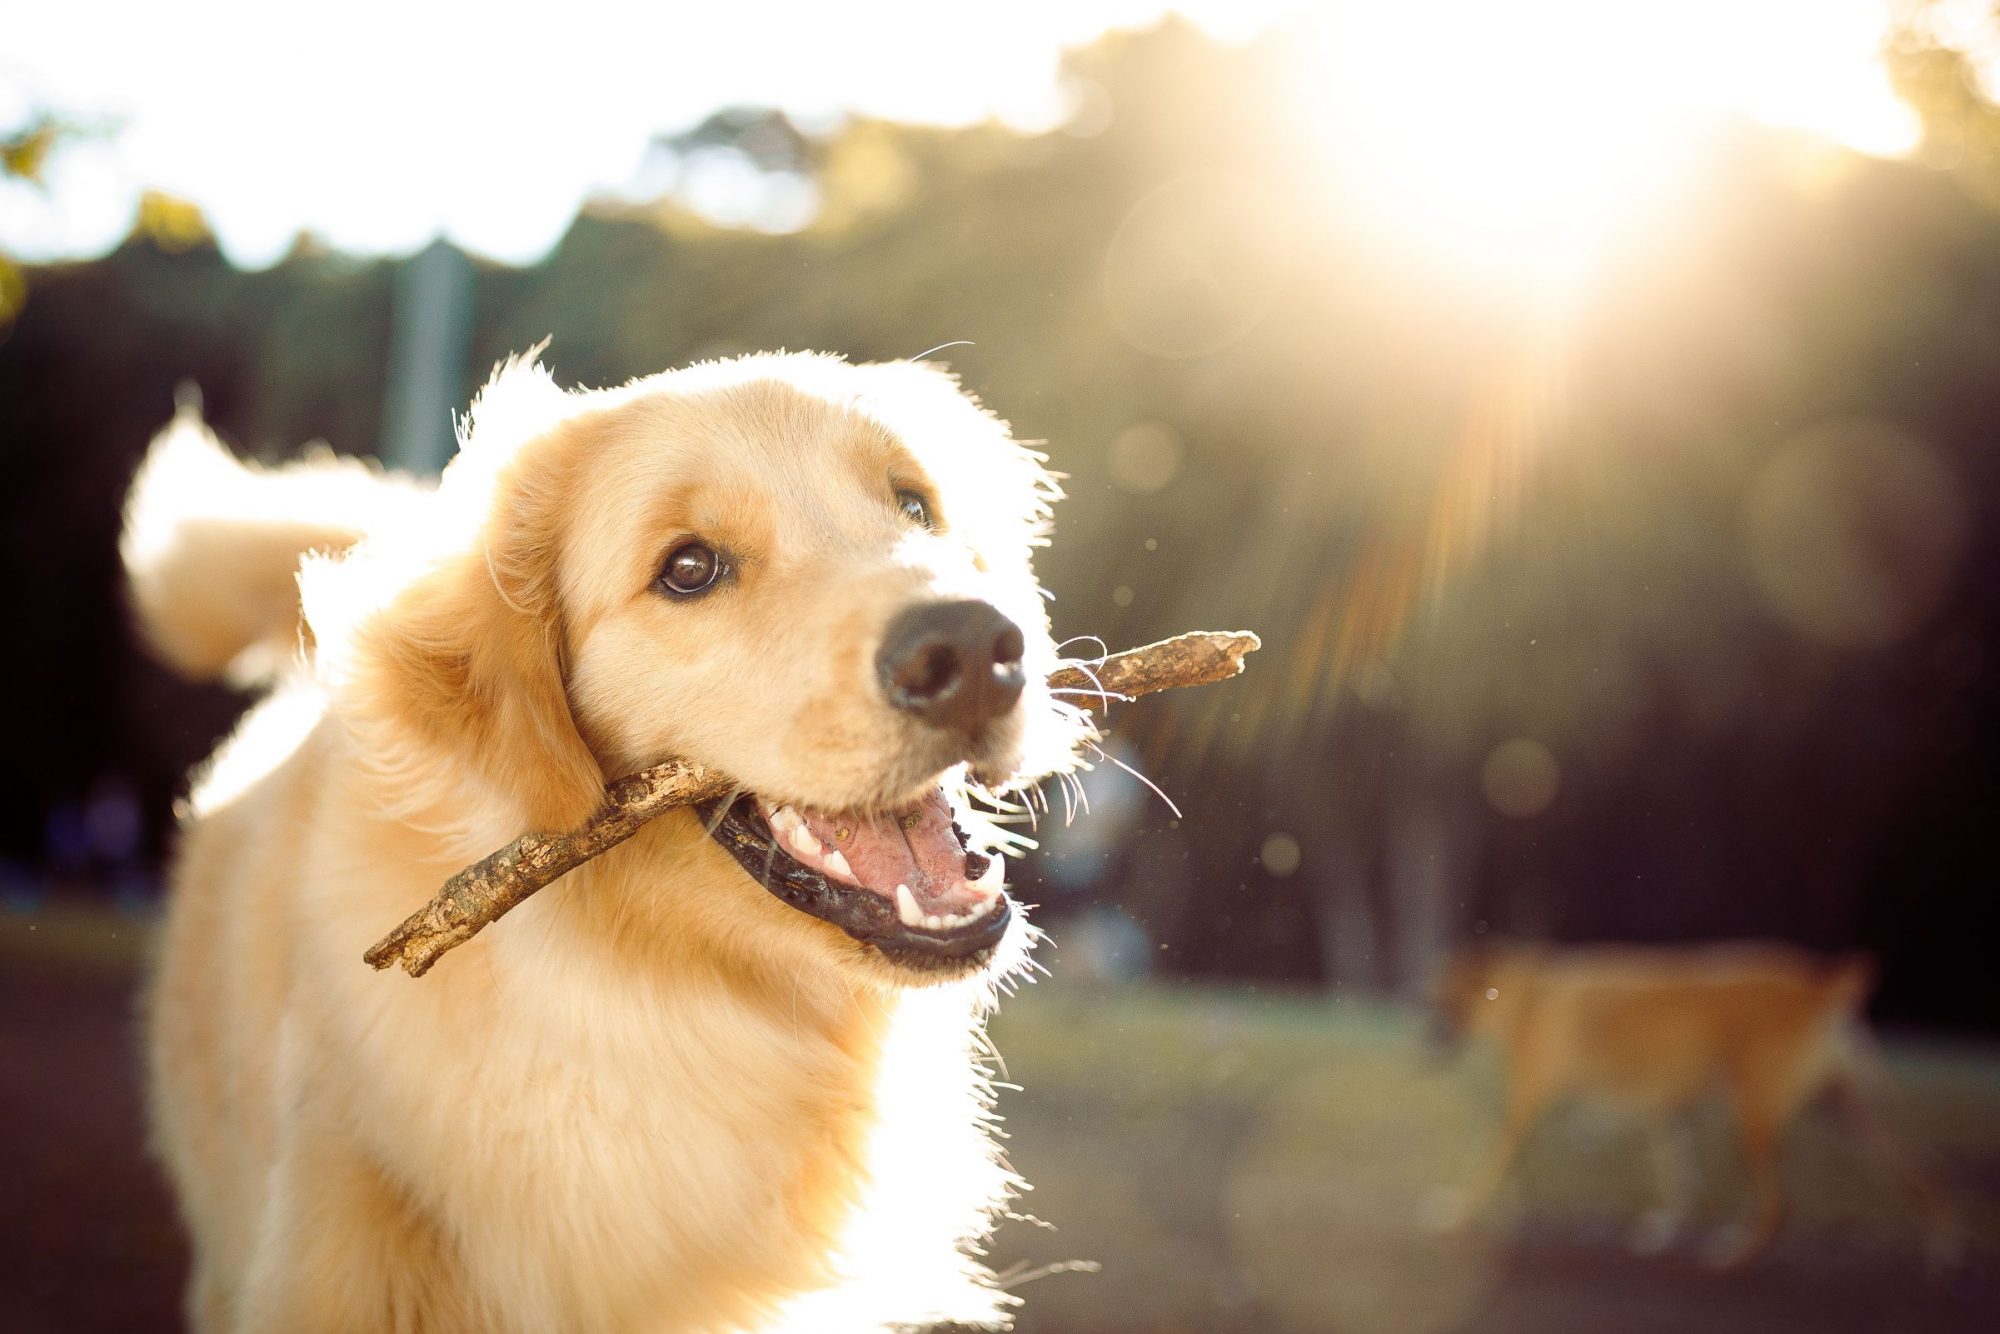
(459, 670)
(474, 673)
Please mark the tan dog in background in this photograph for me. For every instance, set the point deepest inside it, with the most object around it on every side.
(1652, 1030)
(689, 1088)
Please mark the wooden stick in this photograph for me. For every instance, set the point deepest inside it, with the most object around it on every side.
(1193, 659)
(500, 881)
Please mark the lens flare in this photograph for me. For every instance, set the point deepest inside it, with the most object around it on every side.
(1512, 143)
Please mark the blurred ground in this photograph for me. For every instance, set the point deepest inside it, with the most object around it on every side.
(1238, 1161)
(1233, 1161)
(88, 1240)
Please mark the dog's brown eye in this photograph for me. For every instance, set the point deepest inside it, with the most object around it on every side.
(690, 568)
(914, 508)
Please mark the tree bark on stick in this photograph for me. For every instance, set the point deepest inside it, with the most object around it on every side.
(490, 887)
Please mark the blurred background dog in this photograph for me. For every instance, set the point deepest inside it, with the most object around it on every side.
(1767, 1029)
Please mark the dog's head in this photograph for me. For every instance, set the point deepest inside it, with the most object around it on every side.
(812, 576)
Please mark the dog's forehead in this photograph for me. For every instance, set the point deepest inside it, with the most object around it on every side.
(840, 438)
(762, 469)
(716, 457)
(794, 465)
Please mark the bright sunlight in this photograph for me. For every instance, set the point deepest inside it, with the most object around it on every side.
(1510, 137)
(1514, 141)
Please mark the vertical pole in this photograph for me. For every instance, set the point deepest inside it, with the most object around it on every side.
(430, 340)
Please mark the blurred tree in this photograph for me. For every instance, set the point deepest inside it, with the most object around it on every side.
(1933, 55)
(26, 153)
(24, 156)
(172, 224)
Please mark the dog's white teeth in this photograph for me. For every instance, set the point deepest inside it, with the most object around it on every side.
(913, 914)
(802, 841)
(992, 877)
(785, 820)
(983, 909)
(835, 862)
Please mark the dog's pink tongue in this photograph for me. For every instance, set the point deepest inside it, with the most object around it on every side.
(917, 847)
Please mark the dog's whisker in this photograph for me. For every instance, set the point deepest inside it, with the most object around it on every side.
(1019, 1274)
(770, 862)
(1088, 670)
(1107, 755)
(722, 808)
(987, 1049)
(957, 343)
(1103, 651)
(1075, 797)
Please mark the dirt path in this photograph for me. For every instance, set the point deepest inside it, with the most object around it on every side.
(88, 1239)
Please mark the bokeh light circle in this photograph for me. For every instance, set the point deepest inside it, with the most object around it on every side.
(1853, 532)
(1196, 264)
(1280, 854)
(1520, 778)
(1146, 457)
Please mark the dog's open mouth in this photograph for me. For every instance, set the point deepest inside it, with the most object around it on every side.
(902, 881)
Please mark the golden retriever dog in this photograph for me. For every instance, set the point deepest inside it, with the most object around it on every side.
(1652, 1031)
(725, 1077)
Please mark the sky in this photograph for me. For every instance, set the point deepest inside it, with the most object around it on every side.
(379, 125)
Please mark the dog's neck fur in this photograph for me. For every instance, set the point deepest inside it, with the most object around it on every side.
(568, 1057)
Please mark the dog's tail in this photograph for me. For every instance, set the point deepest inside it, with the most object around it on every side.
(212, 545)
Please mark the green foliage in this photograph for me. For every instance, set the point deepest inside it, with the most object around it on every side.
(173, 225)
(25, 154)
(13, 290)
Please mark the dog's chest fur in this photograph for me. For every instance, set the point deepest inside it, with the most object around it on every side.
(615, 1141)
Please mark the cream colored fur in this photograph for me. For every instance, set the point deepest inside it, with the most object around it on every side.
(654, 1097)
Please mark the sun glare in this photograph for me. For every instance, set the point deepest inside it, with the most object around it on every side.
(1513, 141)
(1511, 137)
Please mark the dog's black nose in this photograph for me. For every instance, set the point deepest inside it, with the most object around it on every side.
(956, 665)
